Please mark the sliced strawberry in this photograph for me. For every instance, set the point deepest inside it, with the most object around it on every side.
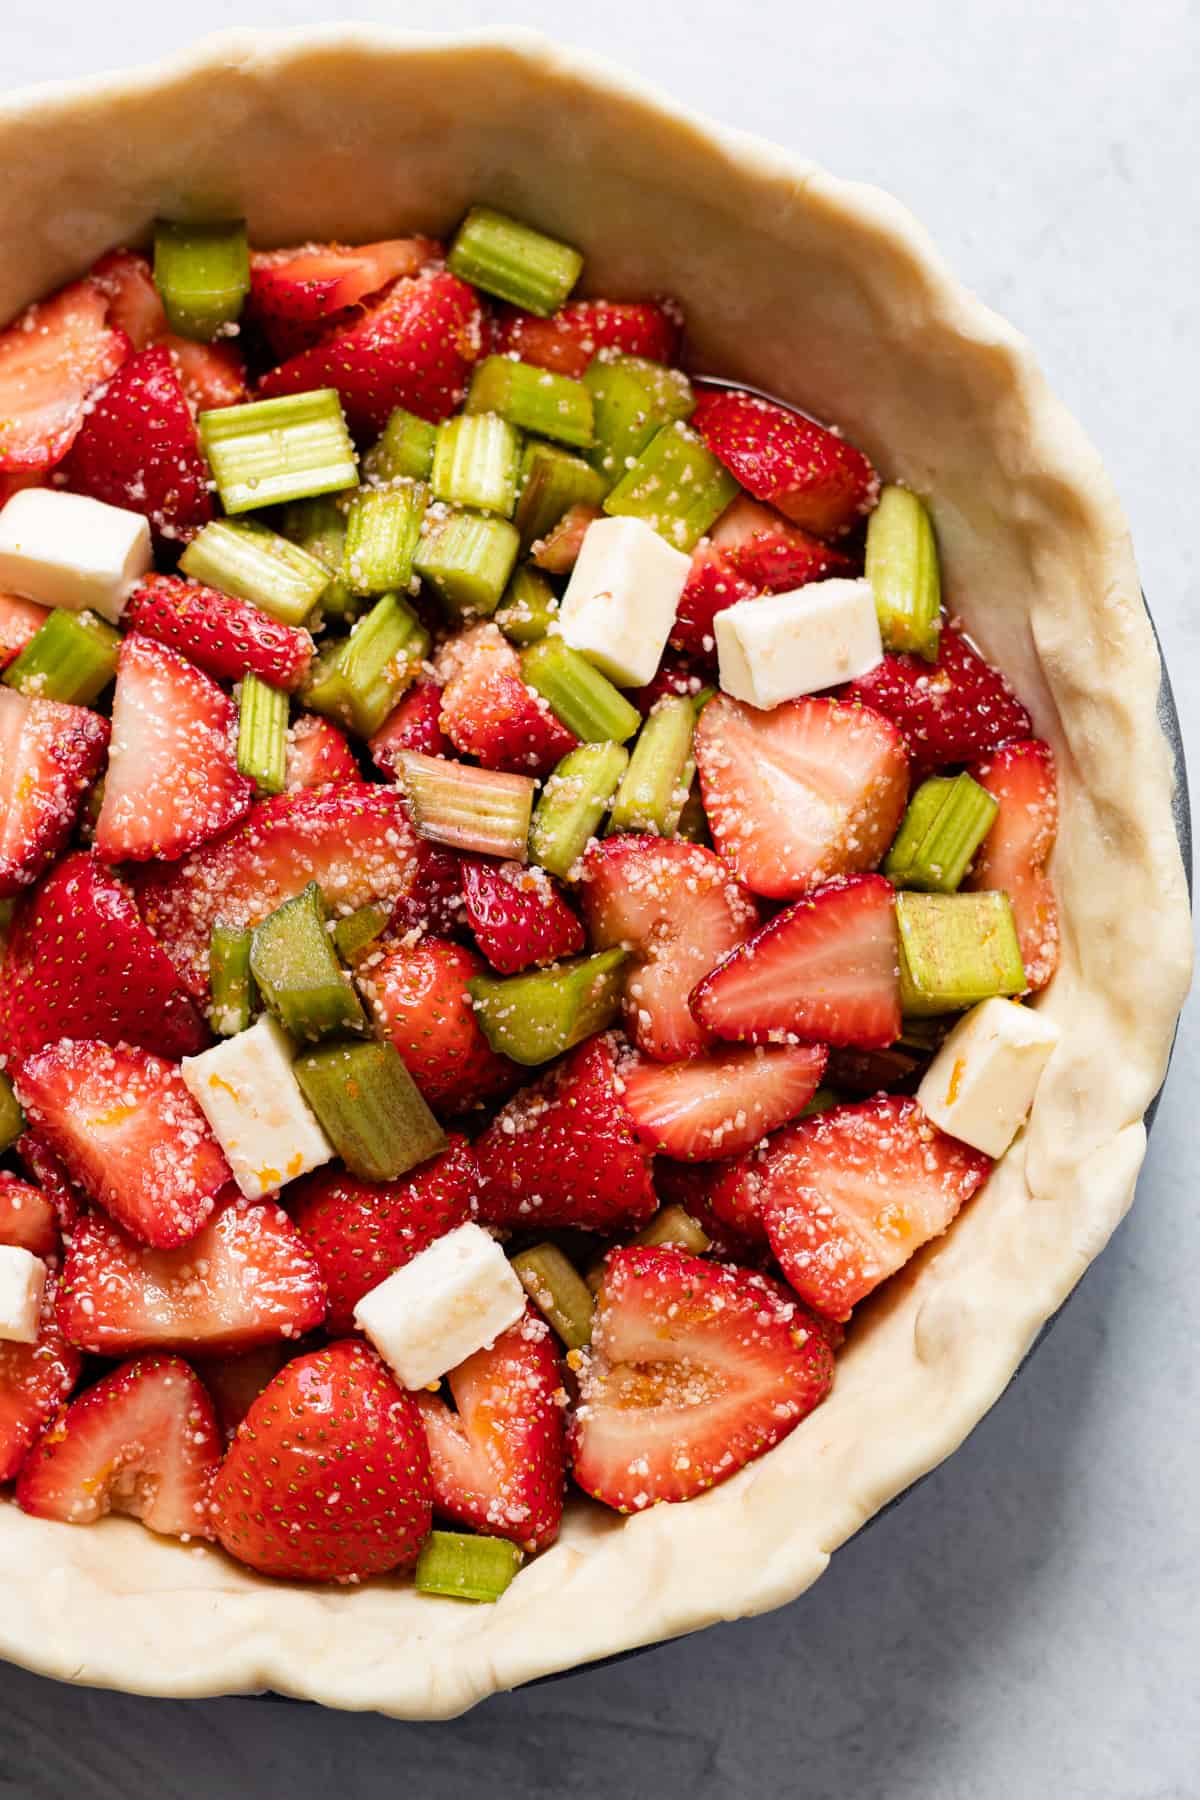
(43, 1167)
(318, 754)
(807, 791)
(712, 584)
(247, 1278)
(848, 1196)
(27, 1217)
(765, 549)
(826, 970)
(417, 994)
(558, 551)
(499, 1461)
(20, 620)
(519, 917)
(1016, 850)
(677, 907)
(691, 1185)
(128, 1132)
(81, 964)
(51, 358)
(718, 1105)
(172, 781)
(695, 1369)
(221, 634)
(360, 1231)
(813, 476)
(328, 1476)
(138, 449)
(569, 339)
(34, 1381)
(142, 1441)
(489, 712)
(235, 1382)
(948, 711)
(414, 348)
(211, 375)
(295, 295)
(564, 1152)
(49, 756)
(434, 902)
(416, 724)
(134, 304)
(676, 674)
(354, 841)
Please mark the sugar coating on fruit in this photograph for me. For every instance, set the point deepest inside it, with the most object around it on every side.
(981, 1084)
(22, 1284)
(247, 1091)
(779, 646)
(453, 1298)
(622, 597)
(67, 550)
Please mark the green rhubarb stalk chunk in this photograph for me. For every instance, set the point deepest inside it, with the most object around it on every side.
(369, 1107)
(230, 982)
(262, 735)
(584, 700)
(503, 257)
(572, 804)
(383, 529)
(631, 403)
(539, 1015)
(946, 821)
(269, 451)
(955, 950)
(246, 558)
(404, 452)
(468, 808)
(676, 485)
(462, 1566)
(72, 657)
(558, 1291)
(659, 777)
(529, 607)
(824, 1100)
(202, 273)
(468, 560)
(535, 400)
(675, 1227)
(318, 525)
(352, 934)
(12, 1122)
(297, 972)
(359, 679)
(551, 482)
(475, 462)
(902, 567)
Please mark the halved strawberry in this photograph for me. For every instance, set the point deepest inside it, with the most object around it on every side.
(27, 1217)
(142, 1441)
(318, 754)
(499, 1460)
(676, 674)
(221, 634)
(558, 551)
(718, 1105)
(354, 840)
(826, 971)
(695, 1368)
(45, 1168)
(246, 1278)
(1015, 853)
(211, 375)
(235, 1382)
(676, 906)
(126, 280)
(360, 1231)
(848, 1196)
(712, 584)
(569, 339)
(414, 348)
(172, 781)
(295, 295)
(807, 791)
(51, 358)
(519, 917)
(128, 1132)
(328, 1476)
(81, 964)
(564, 1152)
(775, 555)
(137, 447)
(49, 756)
(415, 724)
(34, 1381)
(691, 1185)
(813, 476)
(417, 995)
(489, 712)
(948, 711)
(19, 621)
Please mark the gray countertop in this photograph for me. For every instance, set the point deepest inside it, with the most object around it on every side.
(1025, 1624)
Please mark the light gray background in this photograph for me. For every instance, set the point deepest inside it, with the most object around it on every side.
(1026, 1624)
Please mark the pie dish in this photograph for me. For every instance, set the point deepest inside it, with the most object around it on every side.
(764, 253)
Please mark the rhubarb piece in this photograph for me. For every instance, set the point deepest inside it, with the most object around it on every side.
(572, 804)
(902, 567)
(202, 272)
(632, 400)
(12, 1121)
(468, 809)
(513, 261)
(404, 451)
(352, 935)
(536, 1016)
(534, 400)
(263, 735)
(673, 1227)
(296, 970)
(369, 1108)
(552, 481)
(318, 526)
(676, 485)
(585, 700)
(468, 560)
(464, 1566)
(946, 821)
(955, 950)
(558, 1291)
(230, 980)
(271, 451)
(475, 463)
(529, 606)
(659, 777)
(359, 679)
(72, 658)
(246, 558)
(383, 529)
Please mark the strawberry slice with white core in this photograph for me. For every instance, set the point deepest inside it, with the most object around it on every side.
(771, 553)
(34, 1381)
(246, 1278)
(499, 1459)
(569, 339)
(1016, 850)
(677, 907)
(128, 1132)
(51, 358)
(134, 304)
(694, 1369)
(142, 1441)
(812, 475)
(847, 1197)
(794, 796)
(50, 754)
(295, 295)
(318, 754)
(826, 970)
(27, 1217)
(172, 781)
(720, 1104)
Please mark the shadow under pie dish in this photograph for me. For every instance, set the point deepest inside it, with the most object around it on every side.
(827, 295)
